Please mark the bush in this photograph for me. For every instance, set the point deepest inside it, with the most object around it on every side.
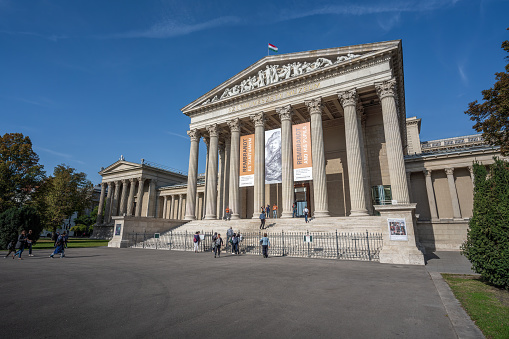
(487, 244)
(14, 220)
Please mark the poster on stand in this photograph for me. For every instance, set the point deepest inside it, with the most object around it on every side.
(273, 165)
(397, 229)
(246, 160)
(302, 160)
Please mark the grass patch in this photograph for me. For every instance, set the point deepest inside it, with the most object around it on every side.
(488, 306)
(73, 243)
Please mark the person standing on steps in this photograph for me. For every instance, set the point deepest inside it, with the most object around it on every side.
(267, 211)
(235, 244)
(196, 240)
(294, 208)
(274, 211)
(262, 221)
(265, 245)
(306, 213)
(229, 235)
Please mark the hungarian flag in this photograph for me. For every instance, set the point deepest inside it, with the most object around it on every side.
(272, 48)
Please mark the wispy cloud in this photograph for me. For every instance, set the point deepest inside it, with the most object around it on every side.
(42, 102)
(51, 37)
(169, 28)
(463, 75)
(178, 135)
(389, 22)
(47, 150)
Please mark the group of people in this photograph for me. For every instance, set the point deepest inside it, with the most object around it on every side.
(27, 240)
(265, 213)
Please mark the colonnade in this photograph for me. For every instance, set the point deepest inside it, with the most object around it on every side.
(223, 152)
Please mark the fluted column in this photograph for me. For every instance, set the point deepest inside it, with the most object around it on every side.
(399, 187)
(431, 195)
(165, 206)
(107, 212)
(226, 170)
(196, 204)
(192, 175)
(212, 173)
(172, 207)
(100, 209)
(139, 201)
(234, 196)
(321, 200)
(220, 177)
(151, 208)
(204, 205)
(123, 198)
(287, 186)
(130, 201)
(114, 207)
(259, 169)
(454, 194)
(354, 151)
(179, 211)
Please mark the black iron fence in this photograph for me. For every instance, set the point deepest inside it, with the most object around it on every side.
(329, 245)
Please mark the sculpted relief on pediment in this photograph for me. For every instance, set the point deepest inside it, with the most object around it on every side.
(276, 73)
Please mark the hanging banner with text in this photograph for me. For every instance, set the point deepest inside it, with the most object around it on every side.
(246, 161)
(273, 166)
(302, 161)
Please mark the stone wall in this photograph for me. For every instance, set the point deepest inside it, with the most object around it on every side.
(444, 235)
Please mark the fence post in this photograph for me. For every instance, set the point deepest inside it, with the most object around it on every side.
(144, 238)
(337, 245)
(283, 238)
(136, 239)
(157, 240)
(367, 240)
(307, 232)
(185, 242)
(171, 239)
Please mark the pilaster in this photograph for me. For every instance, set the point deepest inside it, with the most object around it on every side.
(454, 194)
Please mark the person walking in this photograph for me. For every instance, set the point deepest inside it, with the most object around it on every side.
(59, 246)
(265, 242)
(267, 211)
(262, 221)
(30, 242)
(20, 244)
(306, 213)
(219, 243)
(12, 248)
(235, 244)
(274, 211)
(196, 240)
(229, 235)
(294, 208)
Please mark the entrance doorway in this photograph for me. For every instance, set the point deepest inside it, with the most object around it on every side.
(301, 198)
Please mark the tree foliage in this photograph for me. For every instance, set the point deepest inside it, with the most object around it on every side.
(487, 244)
(20, 171)
(65, 192)
(492, 116)
(14, 220)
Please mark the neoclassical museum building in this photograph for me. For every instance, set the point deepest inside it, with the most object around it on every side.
(325, 130)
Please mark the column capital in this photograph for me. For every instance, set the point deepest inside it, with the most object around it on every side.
(427, 172)
(110, 183)
(285, 112)
(141, 179)
(125, 181)
(449, 171)
(194, 134)
(213, 130)
(386, 88)
(348, 98)
(314, 105)
(258, 119)
(234, 124)
(132, 180)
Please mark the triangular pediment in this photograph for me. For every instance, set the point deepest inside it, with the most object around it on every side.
(120, 166)
(276, 69)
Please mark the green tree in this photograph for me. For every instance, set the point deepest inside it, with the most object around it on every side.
(20, 171)
(492, 116)
(84, 223)
(14, 220)
(65, 192)
(487, 244)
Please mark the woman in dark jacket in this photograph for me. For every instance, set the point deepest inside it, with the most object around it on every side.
(20, 245)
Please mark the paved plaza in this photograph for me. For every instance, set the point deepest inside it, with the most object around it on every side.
(105, 292)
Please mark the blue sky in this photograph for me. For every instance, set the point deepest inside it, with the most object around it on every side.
(91, 80)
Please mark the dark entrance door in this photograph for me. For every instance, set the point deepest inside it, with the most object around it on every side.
(301, 196)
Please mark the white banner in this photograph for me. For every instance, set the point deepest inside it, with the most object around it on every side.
(273, 165)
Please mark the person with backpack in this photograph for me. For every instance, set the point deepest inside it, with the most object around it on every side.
(196, 240)
(265, 245)
(20, 245)
(218, 242)
(235, 244)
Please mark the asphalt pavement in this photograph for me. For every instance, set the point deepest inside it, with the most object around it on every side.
(136, 293)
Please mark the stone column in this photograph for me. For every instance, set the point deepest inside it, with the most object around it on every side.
(399, 187)
(123, 197)
(192, 174)
(321, 200)
(172, 207)
(226, 170)
(220, 177)
(141, 183)
(472, 177)
(408, 176)
(196, 204)
(234, 196)
(287, 186)
(179, 211)
(165, 206)
(354, 151)
(259, 169)
(107, 212)
(151, 208)
(100, 209)
(212, 173)
(431, 195)
(114, 207)
(130, 201)
(204, 204)
(454, 194)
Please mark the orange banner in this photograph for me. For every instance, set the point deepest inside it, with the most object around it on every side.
(302, 160)
(246, 160)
